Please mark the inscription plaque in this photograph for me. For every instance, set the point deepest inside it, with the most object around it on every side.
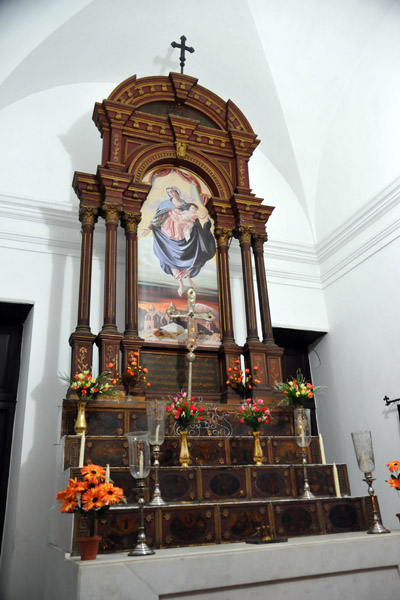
(168, 372)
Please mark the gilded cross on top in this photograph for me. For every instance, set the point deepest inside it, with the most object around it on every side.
(192, 316)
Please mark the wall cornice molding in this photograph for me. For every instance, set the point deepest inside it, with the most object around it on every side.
(369, 229)
(373, 226)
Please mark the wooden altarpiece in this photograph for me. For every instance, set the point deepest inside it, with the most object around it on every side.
(172, 122)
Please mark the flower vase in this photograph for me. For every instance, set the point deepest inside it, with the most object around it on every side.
(184, 455)
(89, 547)
(258, 453)
(80, 423)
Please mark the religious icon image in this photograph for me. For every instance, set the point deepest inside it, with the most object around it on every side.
(176, 253)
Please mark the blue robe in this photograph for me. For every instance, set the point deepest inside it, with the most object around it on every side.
(184, 255)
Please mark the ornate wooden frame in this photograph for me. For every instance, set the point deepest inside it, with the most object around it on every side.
(135, 142)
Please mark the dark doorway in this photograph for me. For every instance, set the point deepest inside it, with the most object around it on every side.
(295, 344)
(12, 318)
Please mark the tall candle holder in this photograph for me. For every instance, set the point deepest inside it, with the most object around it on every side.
(155, 412)
(302, 430)
(362, 441)
(139, 466)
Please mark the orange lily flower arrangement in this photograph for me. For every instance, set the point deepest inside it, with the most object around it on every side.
(135, 374)
(241, 381)
(394, 468)
(92, 495)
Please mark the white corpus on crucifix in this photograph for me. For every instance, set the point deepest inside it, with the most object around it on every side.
(191, 316)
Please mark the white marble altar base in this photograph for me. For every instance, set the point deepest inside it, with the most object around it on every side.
(355, 565)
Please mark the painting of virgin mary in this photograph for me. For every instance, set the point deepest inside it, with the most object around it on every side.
(181, 243)
(176, 252)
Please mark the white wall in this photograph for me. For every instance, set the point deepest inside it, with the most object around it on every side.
(316, 82)
(358, 362)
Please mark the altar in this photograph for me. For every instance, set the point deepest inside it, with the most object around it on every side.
(351, 565)
(174, 175)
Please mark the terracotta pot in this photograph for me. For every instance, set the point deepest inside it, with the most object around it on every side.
(89, 547)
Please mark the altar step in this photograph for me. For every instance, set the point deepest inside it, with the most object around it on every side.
(223, 483)
(179, 525)
(204, 450)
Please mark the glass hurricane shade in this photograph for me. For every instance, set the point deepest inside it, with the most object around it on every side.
(139, 453)
(155, 412)
(362, 441)
(302, 426)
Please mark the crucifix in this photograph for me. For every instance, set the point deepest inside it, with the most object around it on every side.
(191, 316)
(183, 47)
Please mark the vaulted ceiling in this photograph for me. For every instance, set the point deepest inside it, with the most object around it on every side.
(317, 80)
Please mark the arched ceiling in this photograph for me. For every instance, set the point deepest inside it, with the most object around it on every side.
(292, 66)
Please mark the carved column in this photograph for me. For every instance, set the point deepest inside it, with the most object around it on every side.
(223, 236)
(131, 342)
(82, 339)
(109, 338)
(130, 224)
(244, 234)
(229, 351)
(110, 268)
(263, 299)
(273, 352)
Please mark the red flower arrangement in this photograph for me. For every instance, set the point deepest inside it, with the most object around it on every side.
(184, 411)
(394, 467)
(91, 495)
(135, 374)
(254, 413)
(242, 382)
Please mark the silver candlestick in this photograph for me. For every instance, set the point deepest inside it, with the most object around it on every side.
(139, 466)
(155, 412)
(302, 429)
(362, 441)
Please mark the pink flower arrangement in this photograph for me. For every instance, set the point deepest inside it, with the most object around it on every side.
(184, 411)
(254, 413)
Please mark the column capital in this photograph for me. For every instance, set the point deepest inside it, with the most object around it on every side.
(245, 233)
(223, 235)
(130, 221)
(258, 241)
(112, 212)
(88, 215)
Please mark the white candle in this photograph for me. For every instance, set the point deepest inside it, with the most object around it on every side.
(108, 474)
(141, 465)
(242, 365)
(336, 481)
(321, 447)
(157, 432)
(82, 450)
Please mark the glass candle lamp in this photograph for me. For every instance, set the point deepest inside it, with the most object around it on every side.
(302, 431)
(362, 441)
(139, 466)
(155, 412)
